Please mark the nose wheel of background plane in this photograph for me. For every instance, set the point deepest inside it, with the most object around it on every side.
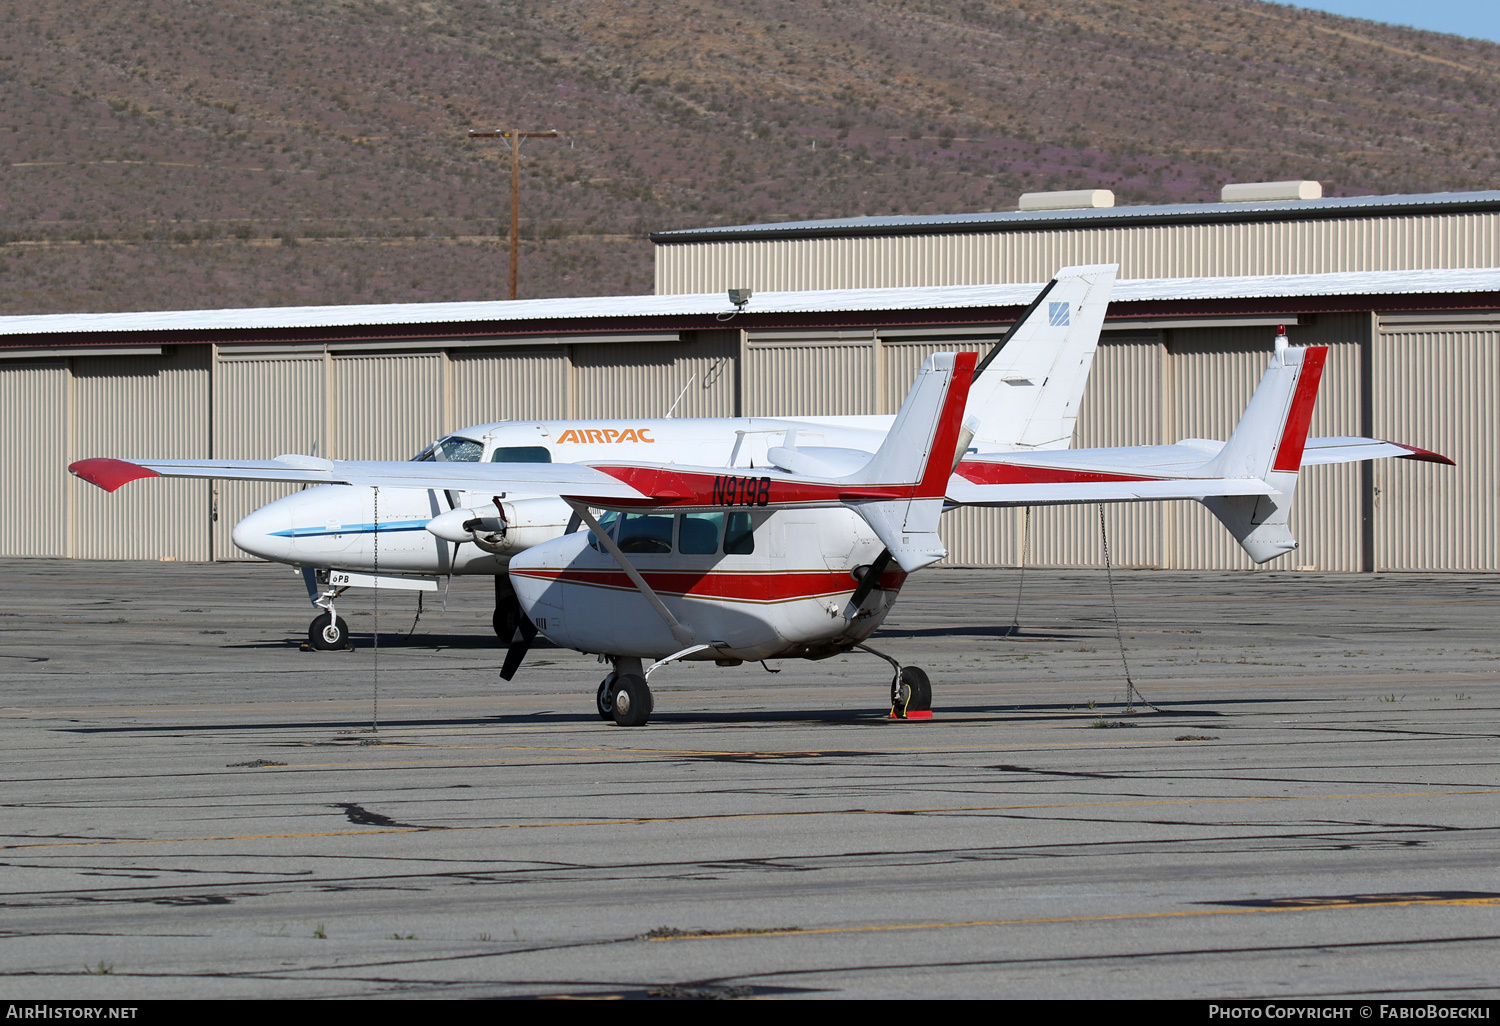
(328, 632)
(911, 695)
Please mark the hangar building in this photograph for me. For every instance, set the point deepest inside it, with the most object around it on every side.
(1405, 289)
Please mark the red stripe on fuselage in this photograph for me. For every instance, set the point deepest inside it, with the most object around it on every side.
(1299, 418)
(741, 586)
(984, 472)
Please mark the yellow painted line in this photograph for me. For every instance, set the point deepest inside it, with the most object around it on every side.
(969, 923)
(654, 820)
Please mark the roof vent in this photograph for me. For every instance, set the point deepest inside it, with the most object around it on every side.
(1067, 200)
(1249, 192)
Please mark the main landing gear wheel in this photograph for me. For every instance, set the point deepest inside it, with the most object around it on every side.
(328, 633)
(915, 678)
(913, 695)
(604, 699)
(632, 700)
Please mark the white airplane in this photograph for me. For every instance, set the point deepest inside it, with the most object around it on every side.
(791, 558)
(1027, 397)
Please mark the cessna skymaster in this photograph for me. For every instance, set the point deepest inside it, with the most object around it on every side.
(1026, 398)
(792, 558)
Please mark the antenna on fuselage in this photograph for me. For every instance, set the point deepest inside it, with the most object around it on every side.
(680, 395)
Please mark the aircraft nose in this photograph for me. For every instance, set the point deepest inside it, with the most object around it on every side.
(266, 533)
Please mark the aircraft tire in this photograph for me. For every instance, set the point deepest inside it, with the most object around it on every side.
(915, 678)
(604, 698)
(633, 702)
(327, 634)
(507, 617)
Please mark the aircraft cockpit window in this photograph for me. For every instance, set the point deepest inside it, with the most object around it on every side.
(606, 521)
(739, 539)
(645, 533)
(522, 454)
(698, 533)
(452, 449)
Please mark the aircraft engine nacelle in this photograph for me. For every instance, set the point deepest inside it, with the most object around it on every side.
(505, 529)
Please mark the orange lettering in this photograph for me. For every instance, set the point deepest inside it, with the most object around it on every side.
(628, 435)
(611, 435)
(641, 433)
(595, 436)
(568, 436)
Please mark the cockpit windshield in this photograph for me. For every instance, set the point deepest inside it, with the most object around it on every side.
(453, 449)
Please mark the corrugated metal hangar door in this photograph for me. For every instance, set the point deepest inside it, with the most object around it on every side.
(146, 403)
(1434, 385)
(35, 437)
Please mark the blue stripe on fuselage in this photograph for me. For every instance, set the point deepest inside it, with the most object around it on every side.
(323, 532)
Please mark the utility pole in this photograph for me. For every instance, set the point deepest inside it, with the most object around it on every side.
(515, 188)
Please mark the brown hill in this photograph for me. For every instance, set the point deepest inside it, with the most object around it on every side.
(166, 154)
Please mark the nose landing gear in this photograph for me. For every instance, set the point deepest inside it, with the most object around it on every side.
(328, 631)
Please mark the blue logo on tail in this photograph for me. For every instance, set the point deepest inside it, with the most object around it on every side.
(1057, 314)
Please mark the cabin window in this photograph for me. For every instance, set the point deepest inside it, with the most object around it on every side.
(522, 454)
(698, 533)
(453, 449)
(607, 522)
(738, 537)
(645, 532)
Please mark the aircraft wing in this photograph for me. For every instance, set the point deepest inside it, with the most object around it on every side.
(899, 490)
(573, 479)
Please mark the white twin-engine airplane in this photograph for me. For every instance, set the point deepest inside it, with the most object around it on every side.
(792, 557)
(1026, 397)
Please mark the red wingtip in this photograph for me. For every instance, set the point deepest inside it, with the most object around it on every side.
(109, 474)
(1425, 456)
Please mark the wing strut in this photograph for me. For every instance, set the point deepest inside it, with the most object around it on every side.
(681, 631)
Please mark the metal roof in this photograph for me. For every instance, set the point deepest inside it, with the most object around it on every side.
(1102, 217)
(940, 297)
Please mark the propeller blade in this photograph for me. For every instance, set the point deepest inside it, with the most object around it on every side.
(519, 646)
(867, 584)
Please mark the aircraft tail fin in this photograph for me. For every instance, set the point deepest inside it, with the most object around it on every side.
(1028, 389)
(1267, 444)
(899, 492)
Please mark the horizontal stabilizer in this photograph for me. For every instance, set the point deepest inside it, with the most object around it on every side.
(1353, 450)
(968, 493)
